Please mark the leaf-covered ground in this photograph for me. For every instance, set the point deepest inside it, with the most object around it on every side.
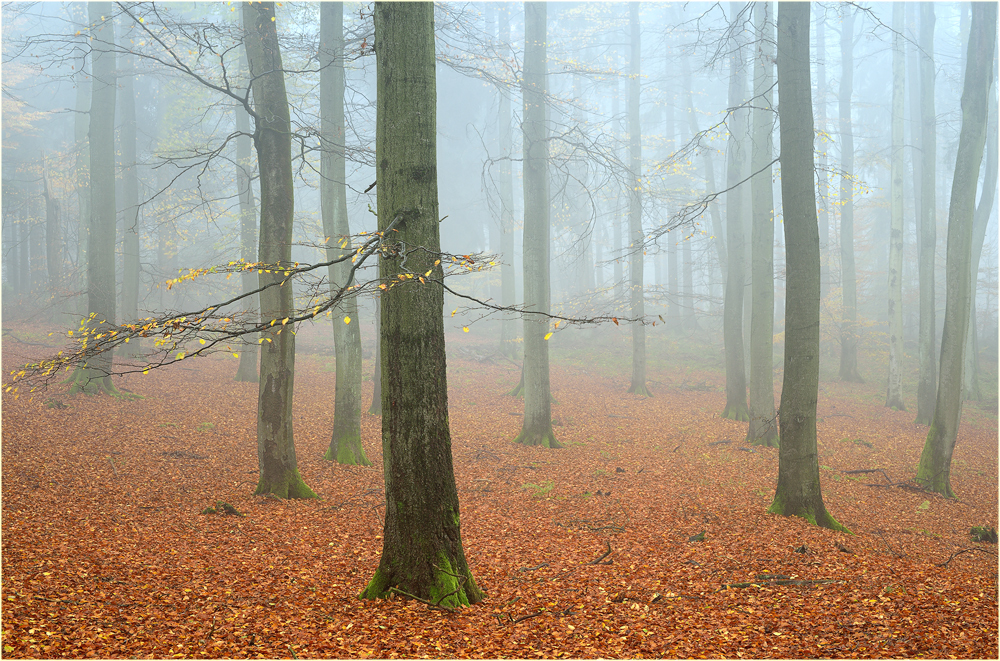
(106, 553)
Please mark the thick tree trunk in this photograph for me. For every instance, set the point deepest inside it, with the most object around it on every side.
(798, 492)
(636, 252)
(537, 429)
(894, 389)
(736, 380)
(927, 383)
(849, 285)
(345, 444)
(422, 554)
(95, 375)
(762, 429)
(279, 472)
(934, 470)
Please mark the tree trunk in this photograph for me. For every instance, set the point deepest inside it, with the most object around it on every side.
(39, 271)
(934, 470)
(249, 307)
(422, 554)
(927, 383)
(130, 203)
(345, 444)
(763, 428)
(849, 285)
(736, 380)
(53, 237)
(636, 252)
(81, 170)
(537, 429)
(279, 472)
(798, 492)
(616, 220)
(821, 144)
(982, 217)
(376, 407)
(509, 335)
(95, 375)
(894, 389)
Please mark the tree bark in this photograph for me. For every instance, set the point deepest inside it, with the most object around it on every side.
(95, 375)
(81, 171)
(636, 252)
(249, 306)
(736, 380)
(130, 204)
(537, 428)
(345, 443)
(798, 492)
(762, 429)
(934, 469)
(279, 472)
(894, 389)
(422, 552)
(927, 383)
(376, 407)
(509, 335)
(53, 236)
(849, 284)
(822, 183)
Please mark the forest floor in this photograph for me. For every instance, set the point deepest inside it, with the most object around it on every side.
(106, 552)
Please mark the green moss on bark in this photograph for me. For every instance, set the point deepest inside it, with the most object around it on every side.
(290, 485)
(349, 452)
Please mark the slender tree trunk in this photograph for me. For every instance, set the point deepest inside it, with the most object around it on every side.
(81, 171)
(36, 234)
(798, 492)
(422, 552)
(822, 142)
(927, 383)
(849, 286)
(934, 470)
(53, 237)
(345, 444)
(250, 306)
(96, 374)
(690, 321)
(616, 219)
(636, 252)
(736, 380)
(762, 429)
(537, 429)
(376, 407)
(982, 217)
(894, 390)
(130, 192)
(673, 289)
(279, 472)
(509, 335)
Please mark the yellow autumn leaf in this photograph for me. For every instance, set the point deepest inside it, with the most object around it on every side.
(201, 340)
(465, 329)
(548, 335)
(347, 320)
(284, 321)
(181, 355)
(236, 355)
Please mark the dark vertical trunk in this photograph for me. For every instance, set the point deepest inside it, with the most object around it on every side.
(278, 472)
(422, 554)
(798, 492)
(345, 443)
(636, 238)
(537, 429)
(934, 470)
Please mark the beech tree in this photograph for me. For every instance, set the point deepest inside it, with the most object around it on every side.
(934, 469)
(798, 492)
(279, 472)
(422, 554)
(894, 389)
(537, 427)
(762, 429)
(345, 443)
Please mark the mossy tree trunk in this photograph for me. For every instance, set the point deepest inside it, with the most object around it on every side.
(934, 470)
(247, 370)
(279, 472)
(762, 429)
(798, 492)
(537, 429)
(732, 316)
(95, 376)
(636, 252)
(894, 388)
(848, 274)
(345, 443)
(422, 552)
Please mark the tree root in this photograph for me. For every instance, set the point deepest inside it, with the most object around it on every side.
(600, 560)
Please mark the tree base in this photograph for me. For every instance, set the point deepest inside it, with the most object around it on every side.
(291, 485)
(767, 439)
(895, 403)
(640, 389)
(518, 390)
(347, 451)
(446, 590)
(815, 514)
(738, 412)
(546, 439)
(82, 381)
